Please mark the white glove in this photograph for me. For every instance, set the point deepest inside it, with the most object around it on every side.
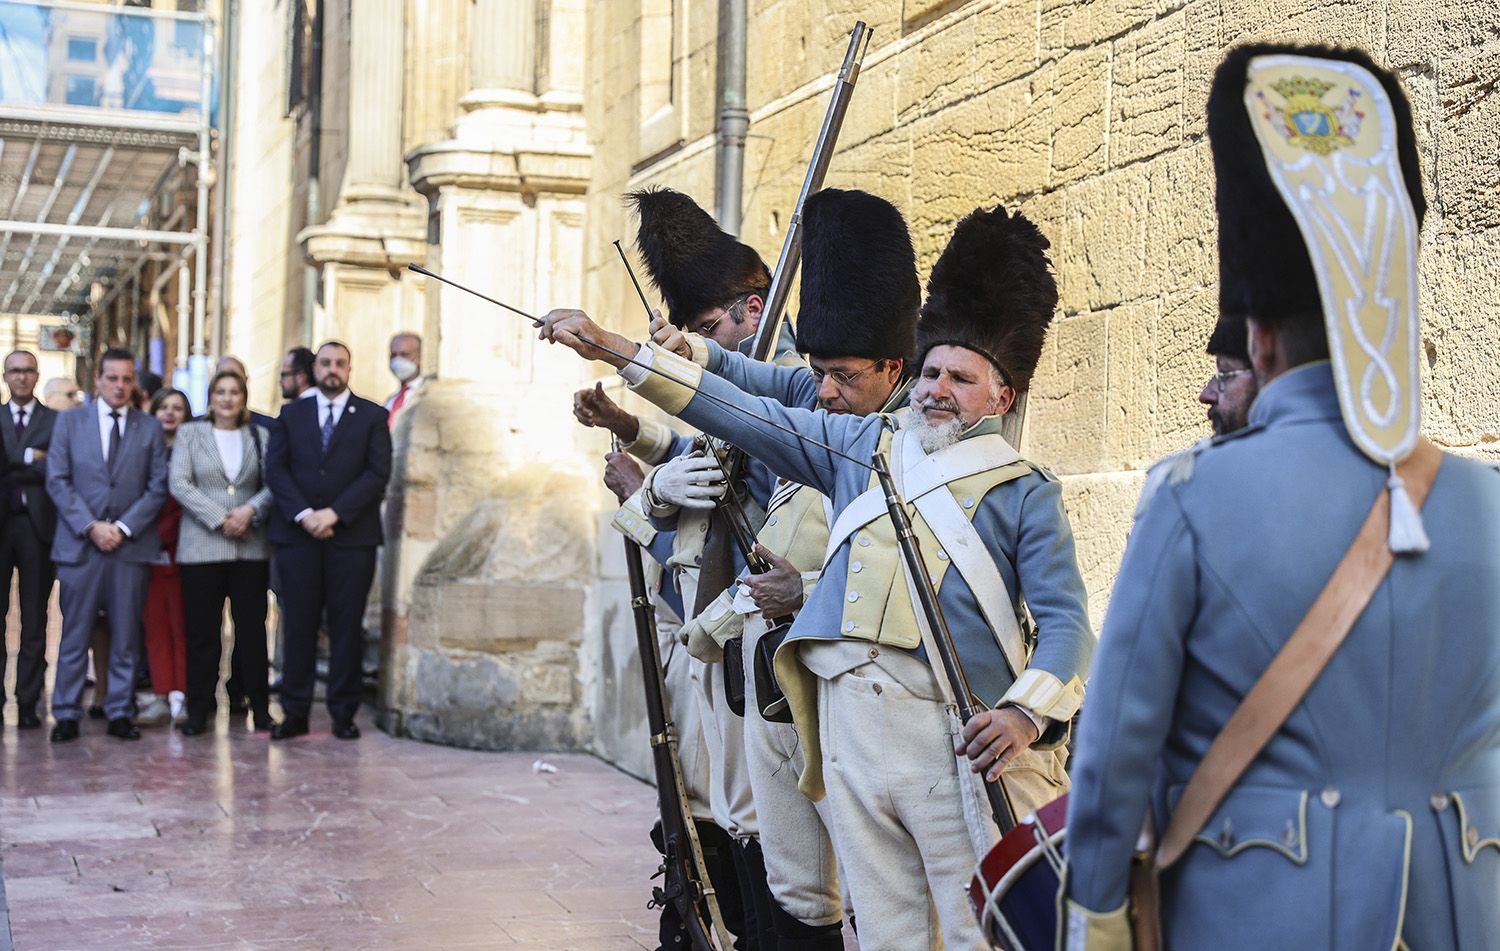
(690, 481)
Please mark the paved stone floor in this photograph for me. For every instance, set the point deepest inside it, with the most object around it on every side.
(229, 841)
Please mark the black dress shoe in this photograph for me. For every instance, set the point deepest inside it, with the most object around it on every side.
(122, 729)
(261, 720)
(289, 728)
(96, 712)
(346, 731)
(27, 719)
(64, 731)
(191, 727)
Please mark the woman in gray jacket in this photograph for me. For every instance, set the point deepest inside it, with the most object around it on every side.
(222, 552)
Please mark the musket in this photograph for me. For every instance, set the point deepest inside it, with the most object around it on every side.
(732, 460)
(906, 539)
(685, 882)
(780, 291)
(911, 556)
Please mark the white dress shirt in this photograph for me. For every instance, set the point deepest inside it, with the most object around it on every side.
(105, 422)
(231, 451)
(15, 417)
(337, 404)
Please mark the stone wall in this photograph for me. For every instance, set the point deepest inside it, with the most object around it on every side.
(1089, 117)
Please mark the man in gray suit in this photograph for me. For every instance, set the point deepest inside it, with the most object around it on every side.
(107, 473)
(26, 536)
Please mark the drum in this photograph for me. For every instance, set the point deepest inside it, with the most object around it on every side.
(1014, 893)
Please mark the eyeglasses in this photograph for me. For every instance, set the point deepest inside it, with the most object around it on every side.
(1220, 380)
(730, 311)
(841, 379)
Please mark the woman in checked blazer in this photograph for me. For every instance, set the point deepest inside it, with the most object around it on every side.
(218, 466)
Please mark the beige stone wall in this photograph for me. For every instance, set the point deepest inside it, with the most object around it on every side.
(1089, 117)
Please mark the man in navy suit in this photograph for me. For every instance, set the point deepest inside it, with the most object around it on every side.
(107, 474)
(327, 466)
(30, 522)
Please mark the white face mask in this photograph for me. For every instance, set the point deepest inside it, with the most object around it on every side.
(403, 369)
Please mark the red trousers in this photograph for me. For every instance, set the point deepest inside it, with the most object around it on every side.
(166, 631)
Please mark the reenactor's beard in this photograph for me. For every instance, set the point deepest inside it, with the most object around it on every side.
(933, 435)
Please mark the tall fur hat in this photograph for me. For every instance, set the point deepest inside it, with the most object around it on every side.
(1231, 338)
(860, 292)
(695, 265)
(1264, 268)
(992, 291)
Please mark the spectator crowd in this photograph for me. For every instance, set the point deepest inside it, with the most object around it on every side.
(150, 522)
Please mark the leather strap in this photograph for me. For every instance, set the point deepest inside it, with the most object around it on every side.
(1299, 662)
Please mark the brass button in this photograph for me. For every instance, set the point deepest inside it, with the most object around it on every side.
(856, 566)
(874, 652)
(968, 503)
(1330, 797)
(864, 541)
(1439, 801)
(849, 626)
(942, 555)
(853, 596)
(771, 520)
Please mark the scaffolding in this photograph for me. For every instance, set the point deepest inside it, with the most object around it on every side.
(107, 120)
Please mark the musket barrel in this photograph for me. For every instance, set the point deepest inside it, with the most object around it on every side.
(791, 246)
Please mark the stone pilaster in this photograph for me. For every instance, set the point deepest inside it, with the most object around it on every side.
(488, 599)
(377, 225)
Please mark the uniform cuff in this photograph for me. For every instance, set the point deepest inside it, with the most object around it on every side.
(1045, 695)
(697, 349)
(631, 522)
(651, 442)
(672, 387)
(125, 529)
(1085, 930)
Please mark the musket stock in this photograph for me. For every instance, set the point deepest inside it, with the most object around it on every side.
(685, 881)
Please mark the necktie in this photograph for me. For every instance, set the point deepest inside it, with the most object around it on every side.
(328, 427)
(397, 403)
(17, 498)
(114, 438)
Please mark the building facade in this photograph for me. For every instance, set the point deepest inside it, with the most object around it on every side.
(492, 140)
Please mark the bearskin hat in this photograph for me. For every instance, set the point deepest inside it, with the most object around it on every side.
(1264, 268)
(1231, 338)
(860, 292)
(992, 291)
(695, 265)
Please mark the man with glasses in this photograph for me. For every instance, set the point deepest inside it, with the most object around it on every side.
(1230, 391)
(1228, 394)
(26, 535)
(856, 324)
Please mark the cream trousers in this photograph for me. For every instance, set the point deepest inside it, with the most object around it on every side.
(800, 863)
(896, 809)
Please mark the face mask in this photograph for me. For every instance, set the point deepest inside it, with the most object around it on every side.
(403, 369)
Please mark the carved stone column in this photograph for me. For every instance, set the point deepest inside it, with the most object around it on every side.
(377, 225)
(487, 601)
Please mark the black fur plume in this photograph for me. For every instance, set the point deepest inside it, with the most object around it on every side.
(694, 264)
(860, 293)
(1264, 269)
(992, 291)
